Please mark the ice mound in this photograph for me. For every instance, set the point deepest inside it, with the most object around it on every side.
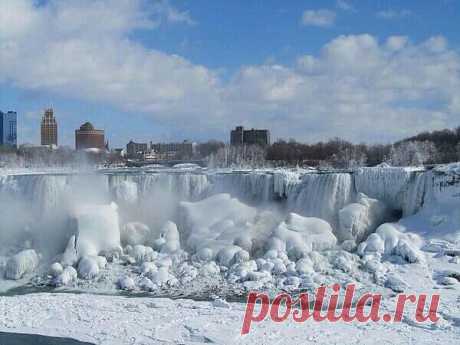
(214, 222)
(98, 229)
(21, 264)
(70, 256)
(134, 233)
(303, 234)
(169, 241)
(56, 269)
(89, 266)
(142, 253)
(389, 240)
(68, 276)
(126, 283)
(358, 220)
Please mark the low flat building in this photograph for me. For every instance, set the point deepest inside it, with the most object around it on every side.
(136, 150)
(87, 137)
(183, 150)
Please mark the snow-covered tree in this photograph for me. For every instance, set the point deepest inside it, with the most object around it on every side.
(242, 156)
(413, 153)
(349, 157)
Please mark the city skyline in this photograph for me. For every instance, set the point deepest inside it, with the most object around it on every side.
(189, 70)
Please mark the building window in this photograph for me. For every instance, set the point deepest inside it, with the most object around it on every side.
(12, 128)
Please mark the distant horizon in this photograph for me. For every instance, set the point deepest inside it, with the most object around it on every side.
(168, 71)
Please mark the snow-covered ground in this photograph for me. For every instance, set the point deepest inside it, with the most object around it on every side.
(218, 234)
(118, 320)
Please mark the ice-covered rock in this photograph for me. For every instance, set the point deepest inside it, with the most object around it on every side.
(126, 283)
(68, 276)
(389, 240)
(147, 267)
(358, 220)
(56, 269)
(142, 253)
(21, 264)
(161, 276)
(146, 284)
(204, 254)
(134, 233)
(169, 240)
(225, 255)
(88, 267)
(303, 234)
(304, 266)
(70, 256)
(215, 222)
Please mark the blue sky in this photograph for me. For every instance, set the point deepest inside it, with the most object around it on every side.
(370, 71)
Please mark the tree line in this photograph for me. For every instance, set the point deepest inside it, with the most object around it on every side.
(441, 146)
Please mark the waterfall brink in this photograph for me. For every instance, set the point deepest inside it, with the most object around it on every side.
(322, 195)
(307, 192)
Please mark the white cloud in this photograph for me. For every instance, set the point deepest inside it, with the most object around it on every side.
(321, 18)
(394, 14)
(396, 42)
(172, 14)
(344, 5)
(81, 48)
(356, 86)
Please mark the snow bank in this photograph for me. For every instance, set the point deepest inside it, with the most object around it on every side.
(358, 220)
(21, 264)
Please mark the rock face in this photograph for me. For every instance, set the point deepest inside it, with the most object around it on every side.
(358, 220)
(22, 263)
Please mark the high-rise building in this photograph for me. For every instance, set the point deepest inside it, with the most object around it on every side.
(240, 136)
(8, 128)
(87, 137)
(49, 133)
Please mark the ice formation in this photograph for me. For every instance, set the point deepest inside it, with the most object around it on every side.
(134, 233)
(98, 229)
(21, 264)
(389, 240)
(270, 229)
(303, 234)
(358, 220)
